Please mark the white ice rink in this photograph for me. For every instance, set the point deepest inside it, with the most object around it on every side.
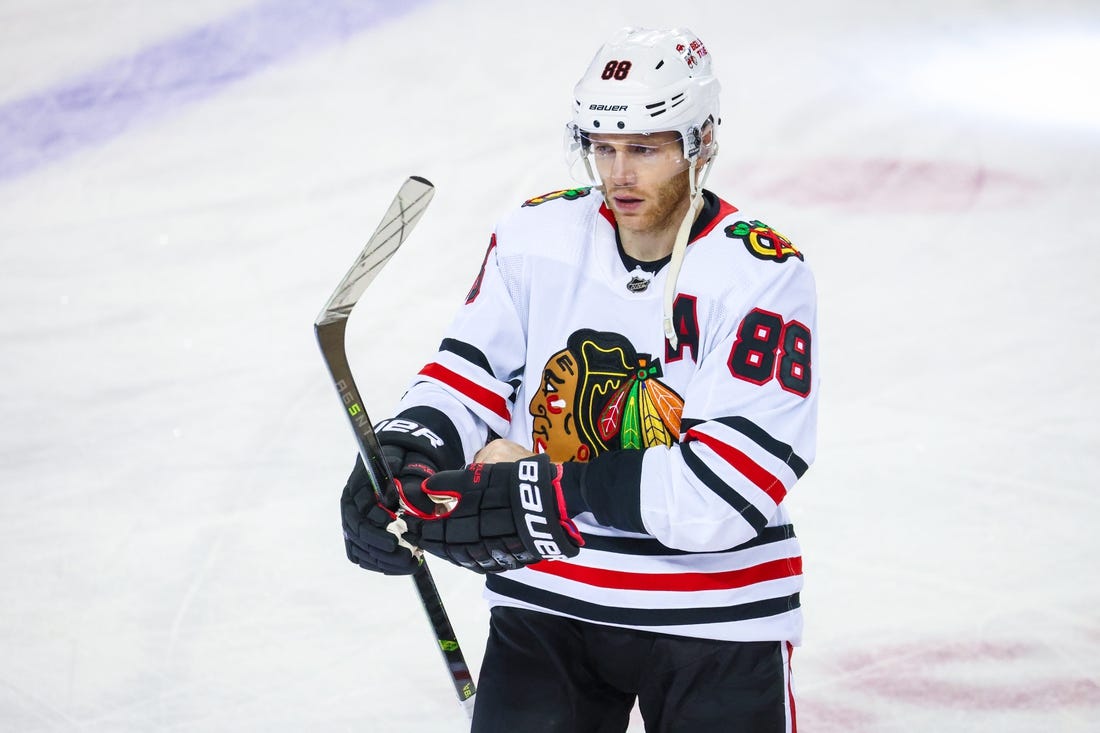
(182, 184)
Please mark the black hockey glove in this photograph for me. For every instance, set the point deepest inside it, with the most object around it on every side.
(366, 540)
(494, 517)
(413, 452)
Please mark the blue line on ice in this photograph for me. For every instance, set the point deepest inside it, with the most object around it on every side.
(107, 101)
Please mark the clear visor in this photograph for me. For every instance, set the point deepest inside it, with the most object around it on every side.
(596, 158)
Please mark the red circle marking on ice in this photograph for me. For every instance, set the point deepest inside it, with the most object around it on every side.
(950, 676)
(885, 184)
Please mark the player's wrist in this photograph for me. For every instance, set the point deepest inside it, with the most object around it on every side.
(572, 487)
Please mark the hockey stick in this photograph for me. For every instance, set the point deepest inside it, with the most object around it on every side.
(407, 207)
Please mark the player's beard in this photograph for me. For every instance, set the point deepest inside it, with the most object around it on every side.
(664, 210)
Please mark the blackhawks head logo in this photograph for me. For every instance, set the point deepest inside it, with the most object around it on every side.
(598, 394)
(763, 241)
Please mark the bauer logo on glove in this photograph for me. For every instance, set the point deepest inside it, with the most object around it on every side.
(531, 501)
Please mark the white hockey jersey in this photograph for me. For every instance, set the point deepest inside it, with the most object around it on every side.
(561, 348)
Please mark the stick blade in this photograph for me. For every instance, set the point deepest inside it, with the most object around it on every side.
(405, 210)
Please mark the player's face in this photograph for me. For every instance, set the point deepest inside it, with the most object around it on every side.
(645, 179)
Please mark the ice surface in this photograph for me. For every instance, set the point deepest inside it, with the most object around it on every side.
(181, 188)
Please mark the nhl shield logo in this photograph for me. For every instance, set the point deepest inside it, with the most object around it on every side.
(638, 284)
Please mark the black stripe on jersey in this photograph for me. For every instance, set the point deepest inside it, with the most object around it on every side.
(469, 352)
(757, 435)
(640, 616)
(743, 506)
(649, 546)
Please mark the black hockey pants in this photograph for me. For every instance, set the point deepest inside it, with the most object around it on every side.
(547, 674)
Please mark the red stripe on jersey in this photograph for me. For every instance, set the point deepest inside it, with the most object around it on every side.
(606, 214)
(724, 210)
(746, 466)
(622, 580)
(484, 397)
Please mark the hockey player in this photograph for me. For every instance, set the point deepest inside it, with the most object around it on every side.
(633, 377)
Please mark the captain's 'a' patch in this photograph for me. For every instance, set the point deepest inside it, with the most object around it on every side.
(762, 241)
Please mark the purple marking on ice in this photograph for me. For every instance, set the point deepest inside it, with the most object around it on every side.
(105, 102)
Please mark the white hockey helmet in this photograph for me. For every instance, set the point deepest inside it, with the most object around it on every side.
(645, 81)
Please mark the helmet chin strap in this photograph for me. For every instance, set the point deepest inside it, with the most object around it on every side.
(599, 185)
(679, 247)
